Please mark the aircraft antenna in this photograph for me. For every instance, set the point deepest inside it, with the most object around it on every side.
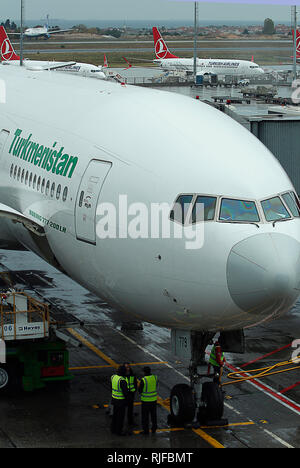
(21, 31)
(195, 39)
(294, 16)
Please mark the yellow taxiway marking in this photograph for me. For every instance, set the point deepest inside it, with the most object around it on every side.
(93, 348)
(248, 423)
(170, 429)
(108, 365)
(208, 438)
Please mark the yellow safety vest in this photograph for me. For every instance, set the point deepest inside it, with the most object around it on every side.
(116, 387)
(213, 359)
(130, 383)
(149, 392)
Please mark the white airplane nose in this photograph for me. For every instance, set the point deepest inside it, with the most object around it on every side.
(263, 273)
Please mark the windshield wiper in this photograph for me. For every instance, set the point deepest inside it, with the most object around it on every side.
(280, 220)
(240, 222)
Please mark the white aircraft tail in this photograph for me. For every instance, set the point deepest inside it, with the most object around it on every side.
(47, 25)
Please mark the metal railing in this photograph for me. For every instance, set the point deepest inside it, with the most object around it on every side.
(22, 316)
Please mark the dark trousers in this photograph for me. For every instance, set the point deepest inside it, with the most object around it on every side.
(130, 401)
(118, 416)
(149, 409)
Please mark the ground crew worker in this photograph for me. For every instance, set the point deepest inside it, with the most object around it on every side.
(132, 388)
(148, 392)
(119, 400)
(216, 359)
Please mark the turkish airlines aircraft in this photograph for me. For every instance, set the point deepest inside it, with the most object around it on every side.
(8, 55)
(77, 184)
(204, 66)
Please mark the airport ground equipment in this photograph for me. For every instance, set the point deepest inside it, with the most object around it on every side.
(206, 80)
(261, 92)
(35, 348)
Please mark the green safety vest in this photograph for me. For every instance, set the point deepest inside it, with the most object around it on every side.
(116, 387)
(149, 392)
(130, 383)
(213, 360)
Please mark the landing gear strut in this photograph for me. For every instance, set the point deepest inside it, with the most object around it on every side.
(202, 401)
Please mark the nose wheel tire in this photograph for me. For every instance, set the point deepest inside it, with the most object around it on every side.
(182, 405)
(4, 379)
(213, 399)
(10, 379)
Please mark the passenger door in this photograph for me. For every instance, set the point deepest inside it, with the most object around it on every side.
(87, 200)
(4, 134)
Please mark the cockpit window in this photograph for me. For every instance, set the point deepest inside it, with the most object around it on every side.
(291, 202)
(238, 210)
(180, 210)
(274, 209)
(204, 209)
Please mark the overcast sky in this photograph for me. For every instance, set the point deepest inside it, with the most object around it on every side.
(140, 10)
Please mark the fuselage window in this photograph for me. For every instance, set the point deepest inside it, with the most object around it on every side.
(19, 173)
(52, 190)
(180, 209)
(239, 211)
(11, 170)
(22, 176)
(81, 198)
(58, 190)
(65, 194)
(15, 172)
(204, 209)
(30, 179)
(291, 202)
(34, 182)
(43, 185)
(47, 187)
(26, 177)
(274, 209)
(38, 183)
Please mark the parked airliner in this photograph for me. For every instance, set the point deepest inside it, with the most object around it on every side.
(169, 61)
(8, 55)
(85, 164)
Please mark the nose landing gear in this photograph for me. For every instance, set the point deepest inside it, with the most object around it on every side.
(201, 402)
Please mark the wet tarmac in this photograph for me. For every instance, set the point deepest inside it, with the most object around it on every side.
(261, 413)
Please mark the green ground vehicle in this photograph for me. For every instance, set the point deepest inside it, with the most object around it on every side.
(34, 355)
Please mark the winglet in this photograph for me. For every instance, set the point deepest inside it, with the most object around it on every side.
(160, 47)
(129, 64)
(6, 48)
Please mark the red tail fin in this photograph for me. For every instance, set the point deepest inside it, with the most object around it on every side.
(160, 47)
(297, 42)
(105, 62)
(7, 50)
